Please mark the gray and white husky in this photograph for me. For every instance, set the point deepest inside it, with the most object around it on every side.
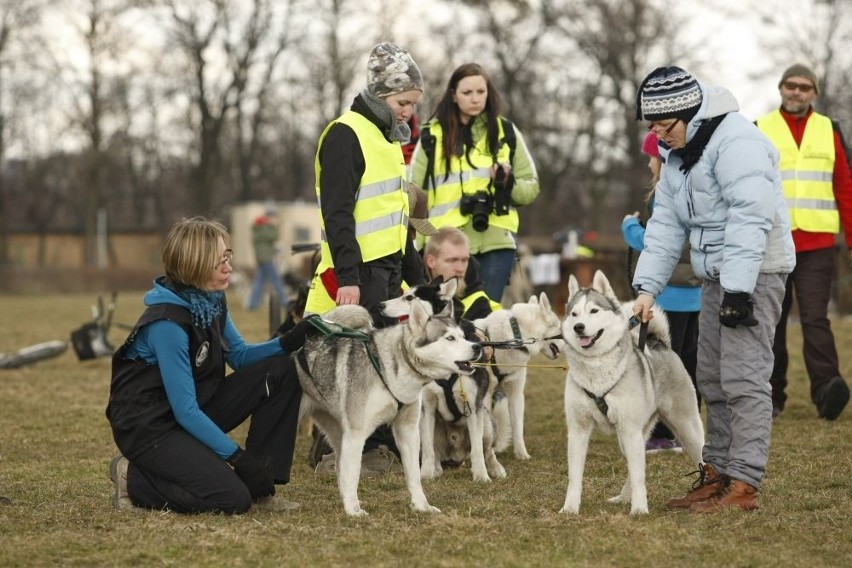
(614, 386)
(456, 423)
(353, 386)
(525, 320)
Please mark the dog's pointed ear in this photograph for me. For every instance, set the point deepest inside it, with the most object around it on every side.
(448, 289)
(602, 285)
(417, 319)
(544, 302)
(573, 286)
(449, 309)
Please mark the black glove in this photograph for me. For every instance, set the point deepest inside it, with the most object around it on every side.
(737, 309)
(253, 474)
(295, 338)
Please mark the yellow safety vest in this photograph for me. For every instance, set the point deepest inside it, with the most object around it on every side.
(468, 301)
(381, 203)
(807, 171)
(445, 198)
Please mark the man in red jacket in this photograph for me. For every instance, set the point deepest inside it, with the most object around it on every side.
(818, 189)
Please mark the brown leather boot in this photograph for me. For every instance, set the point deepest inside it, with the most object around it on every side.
(708, 483)
(734, 494)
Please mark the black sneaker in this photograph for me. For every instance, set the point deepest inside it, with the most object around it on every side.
(835, 396)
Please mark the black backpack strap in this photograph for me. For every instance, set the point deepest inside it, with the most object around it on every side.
(509, 137)
(427, 142)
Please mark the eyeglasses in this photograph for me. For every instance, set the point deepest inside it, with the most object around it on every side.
(793, 86)
(655, 128)
(227, 257)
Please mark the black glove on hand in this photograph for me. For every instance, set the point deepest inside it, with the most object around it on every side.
(737, 309)
(253, 474)
(295, 338)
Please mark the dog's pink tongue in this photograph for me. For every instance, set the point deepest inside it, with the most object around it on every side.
(586, 341)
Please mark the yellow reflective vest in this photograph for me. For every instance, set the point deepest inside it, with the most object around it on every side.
(464, 179)
(381, 203)
(807, 171)
(468, 301)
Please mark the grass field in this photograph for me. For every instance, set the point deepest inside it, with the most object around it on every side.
(56, 446)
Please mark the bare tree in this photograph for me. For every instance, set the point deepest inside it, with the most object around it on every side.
(817, 33)
(90, 72)
(250, 123)
(15, 16)
(232, 57)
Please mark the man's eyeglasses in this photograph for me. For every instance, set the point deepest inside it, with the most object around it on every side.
(656, 128)
(227, 257)
(793, 86)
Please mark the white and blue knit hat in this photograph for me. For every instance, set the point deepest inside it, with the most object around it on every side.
(668, 92)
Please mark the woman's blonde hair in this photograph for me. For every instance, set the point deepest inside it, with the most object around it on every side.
(191, 250)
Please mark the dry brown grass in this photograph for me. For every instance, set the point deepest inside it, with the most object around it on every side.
(56, 447)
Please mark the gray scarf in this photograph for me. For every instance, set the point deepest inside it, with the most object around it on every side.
(399, 131)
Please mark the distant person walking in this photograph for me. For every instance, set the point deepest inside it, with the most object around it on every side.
(818, 190)
(264, 237)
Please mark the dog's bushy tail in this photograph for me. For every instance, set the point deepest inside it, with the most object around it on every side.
(503, 424)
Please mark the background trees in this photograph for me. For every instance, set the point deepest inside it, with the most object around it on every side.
(144, 110)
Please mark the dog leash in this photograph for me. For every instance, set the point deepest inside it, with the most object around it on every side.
(531, 366)
(643, 330)
(516, 343)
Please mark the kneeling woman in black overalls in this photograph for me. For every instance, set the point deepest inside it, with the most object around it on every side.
(171, 403)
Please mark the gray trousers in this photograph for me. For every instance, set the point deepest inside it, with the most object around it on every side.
(734, 366)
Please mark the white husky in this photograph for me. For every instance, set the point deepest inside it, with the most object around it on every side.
(613, 385)
(353, 385)
(526, 320)
(456, 421)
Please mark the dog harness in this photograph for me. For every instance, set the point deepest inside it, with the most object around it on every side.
(330, 329)
(643, 336)
(517, 342)
(599, 400)
(447, 386)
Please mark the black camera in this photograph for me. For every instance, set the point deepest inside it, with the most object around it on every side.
(478, 206)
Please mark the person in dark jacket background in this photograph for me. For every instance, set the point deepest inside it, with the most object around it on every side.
(171, 404)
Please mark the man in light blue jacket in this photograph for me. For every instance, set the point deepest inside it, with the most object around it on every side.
(720, 188)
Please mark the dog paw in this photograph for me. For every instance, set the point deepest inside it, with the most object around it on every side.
(430, 473)
(427, 508)
(481, 477)
(617, 499)
(522, 455)
(498, 472)
(639, 510)
(566, 510)
(356, 512)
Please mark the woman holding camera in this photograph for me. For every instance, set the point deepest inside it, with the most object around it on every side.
(477, 171)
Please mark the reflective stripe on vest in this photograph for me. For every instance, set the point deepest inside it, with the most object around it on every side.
(468, 301)
(445, 198)
(381, 202)
(807, 171)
